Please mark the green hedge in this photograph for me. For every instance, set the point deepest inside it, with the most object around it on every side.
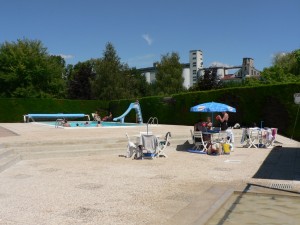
(13, 109)
(272, 104)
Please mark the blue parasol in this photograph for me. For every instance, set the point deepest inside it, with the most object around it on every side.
(212, 107)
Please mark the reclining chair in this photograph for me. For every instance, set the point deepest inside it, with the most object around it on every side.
(163, 145)
(131, 148)
(149, 146)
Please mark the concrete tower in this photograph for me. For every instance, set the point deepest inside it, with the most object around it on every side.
(196, 63)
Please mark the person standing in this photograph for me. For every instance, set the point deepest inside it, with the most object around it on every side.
(223, 120)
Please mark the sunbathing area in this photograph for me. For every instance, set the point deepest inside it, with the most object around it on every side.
(52, 175)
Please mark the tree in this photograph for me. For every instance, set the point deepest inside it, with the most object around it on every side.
(286, 68)
(79, 82)
(209, 80)
(109, 82)
(136, 83)
(27, 70)
(169, 78)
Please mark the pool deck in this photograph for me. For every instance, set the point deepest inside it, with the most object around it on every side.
(78, 176)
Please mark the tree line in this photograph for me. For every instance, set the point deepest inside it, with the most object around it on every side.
(27, 70)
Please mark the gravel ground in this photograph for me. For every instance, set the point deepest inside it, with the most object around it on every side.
(109, 189)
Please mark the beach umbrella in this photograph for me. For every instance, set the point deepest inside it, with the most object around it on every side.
(212, 107)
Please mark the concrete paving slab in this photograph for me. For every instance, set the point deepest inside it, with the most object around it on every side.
(108, 189)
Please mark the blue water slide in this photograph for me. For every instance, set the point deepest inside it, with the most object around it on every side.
(136, 107)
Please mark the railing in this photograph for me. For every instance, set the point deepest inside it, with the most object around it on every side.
(59, 122)
(152, 121)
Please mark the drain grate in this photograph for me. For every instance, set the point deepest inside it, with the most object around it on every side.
(281, 186)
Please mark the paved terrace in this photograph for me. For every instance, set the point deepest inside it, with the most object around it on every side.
(76, 176)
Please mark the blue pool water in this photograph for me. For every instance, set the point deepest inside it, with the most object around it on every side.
(91, 124)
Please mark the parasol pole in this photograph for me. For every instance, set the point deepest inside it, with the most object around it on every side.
(297, 101)
(295, 122)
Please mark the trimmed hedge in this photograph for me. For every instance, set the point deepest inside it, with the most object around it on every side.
(13, 109)
(272, 104)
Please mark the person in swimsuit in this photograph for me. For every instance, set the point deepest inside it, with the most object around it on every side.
(223, 120)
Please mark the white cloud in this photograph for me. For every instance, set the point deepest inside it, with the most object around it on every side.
(147, 38)
(66, 56)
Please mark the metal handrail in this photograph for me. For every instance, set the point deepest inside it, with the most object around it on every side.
(151, 121)
(59, 122)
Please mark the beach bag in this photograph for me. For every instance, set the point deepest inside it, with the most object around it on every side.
(226, 148)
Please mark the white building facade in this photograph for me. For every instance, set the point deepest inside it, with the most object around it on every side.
(196, 65)
(190, 71)
(194, 69)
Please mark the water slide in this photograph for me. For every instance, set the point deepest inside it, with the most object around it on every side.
(136, 107)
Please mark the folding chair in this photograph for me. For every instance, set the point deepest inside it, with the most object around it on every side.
(271, 137)
(255, 135)
(245, 135)
(163, 145)
(199, 141)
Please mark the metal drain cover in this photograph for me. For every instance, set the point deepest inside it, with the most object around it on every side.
(281, 186)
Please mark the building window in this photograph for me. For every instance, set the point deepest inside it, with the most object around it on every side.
(194, 57)
(194, 53)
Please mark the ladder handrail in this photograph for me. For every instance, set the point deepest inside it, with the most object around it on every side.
(59, 122)
(151, 120)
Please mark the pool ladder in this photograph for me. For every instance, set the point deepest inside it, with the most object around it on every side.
(59, 123)
(151, 121)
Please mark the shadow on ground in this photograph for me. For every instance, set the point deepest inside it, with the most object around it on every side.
(281, 164)
(6, 133)
(184, 147)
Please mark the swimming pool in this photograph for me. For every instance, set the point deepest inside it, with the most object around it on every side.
(87, 124)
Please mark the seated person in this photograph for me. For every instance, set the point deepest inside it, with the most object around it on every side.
(97, 116)
(203, 126)
(65, 123)
(108, 118)
(209, 123)
(200, 126)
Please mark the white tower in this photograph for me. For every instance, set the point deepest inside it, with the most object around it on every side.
(196, 63)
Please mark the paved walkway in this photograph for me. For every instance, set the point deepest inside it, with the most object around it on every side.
(75, 176)
(5, 132)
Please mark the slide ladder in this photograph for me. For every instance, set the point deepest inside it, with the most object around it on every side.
(137, 108)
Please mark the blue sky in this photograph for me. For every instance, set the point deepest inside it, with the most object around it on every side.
(142, 31)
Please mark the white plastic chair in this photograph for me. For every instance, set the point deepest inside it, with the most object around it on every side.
(131, 148)
(163, 145)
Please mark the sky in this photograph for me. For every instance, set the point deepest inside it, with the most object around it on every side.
(143, 31)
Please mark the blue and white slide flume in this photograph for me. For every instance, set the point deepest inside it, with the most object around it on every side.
(136, 107)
